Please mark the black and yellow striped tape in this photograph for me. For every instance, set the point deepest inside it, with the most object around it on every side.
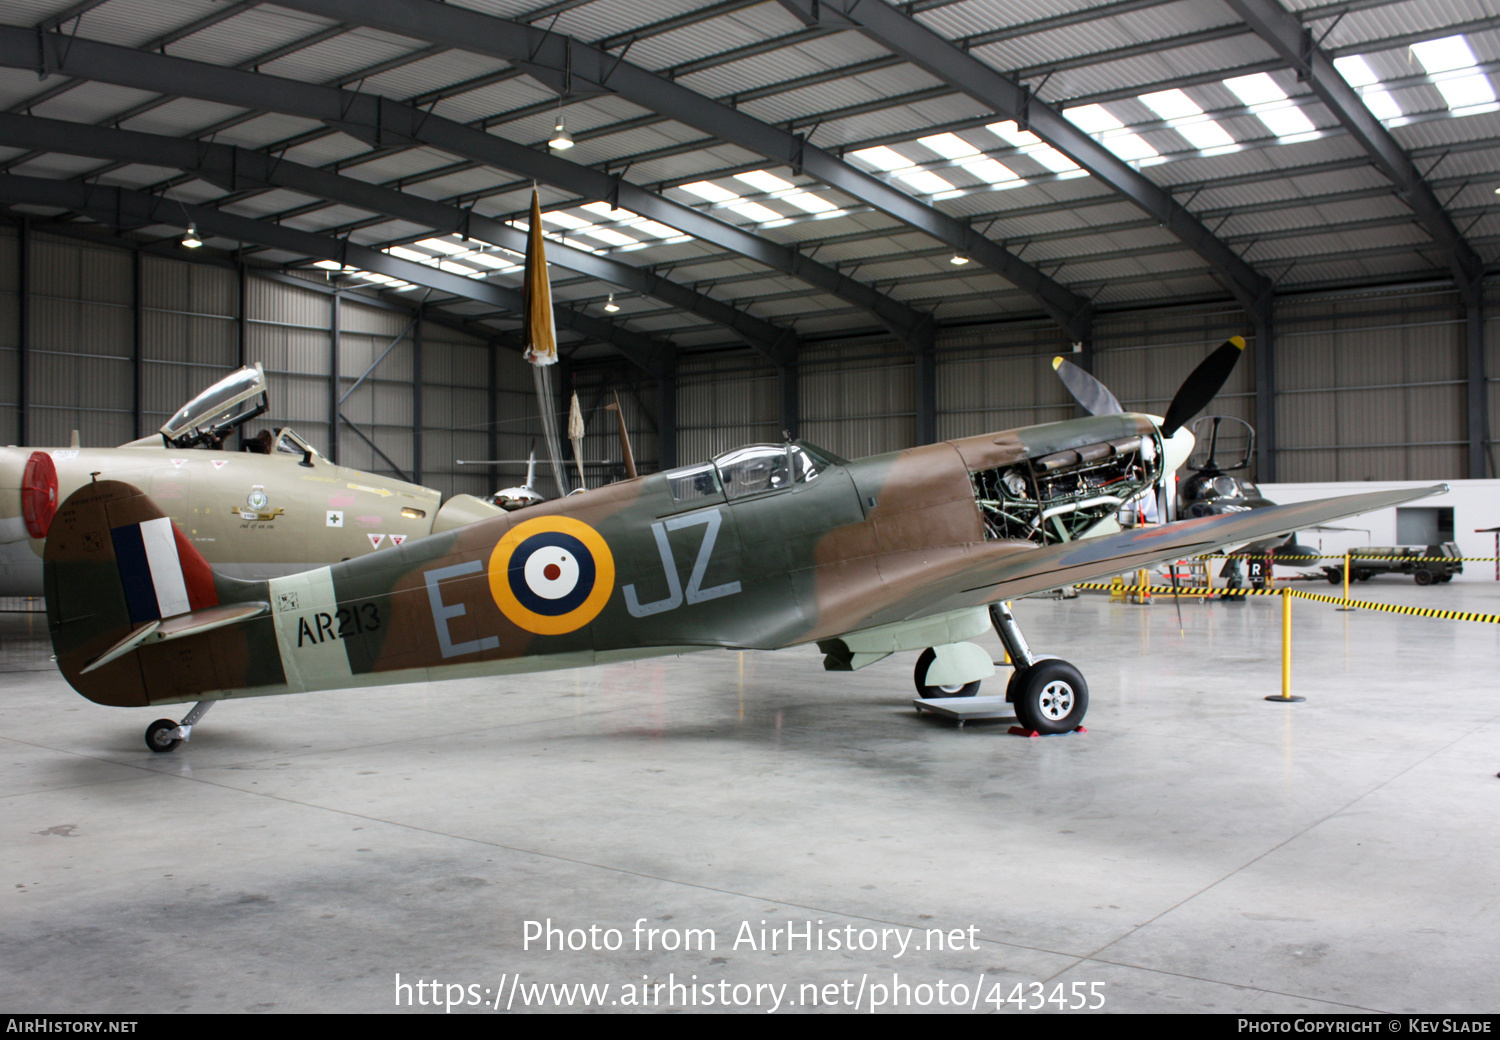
(1283, 557)
(1389, 608)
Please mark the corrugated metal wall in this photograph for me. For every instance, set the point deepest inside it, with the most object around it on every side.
(376, 349)
(190, 334)
(724, 401)
(856, 399)
(603, 459)
(10, 335)
(290, 332)
(456, 411)
(83, 364)
(82, 343)
(998, 378)
(1369, 386)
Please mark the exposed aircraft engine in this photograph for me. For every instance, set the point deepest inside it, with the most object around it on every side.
(1057, 497)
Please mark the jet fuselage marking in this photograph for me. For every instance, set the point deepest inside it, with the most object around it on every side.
(713, 519)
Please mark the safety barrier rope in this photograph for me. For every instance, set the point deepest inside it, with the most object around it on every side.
(1389, 608)
(1283, 557)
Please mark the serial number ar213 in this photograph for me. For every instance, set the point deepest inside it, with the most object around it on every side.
(347, 621)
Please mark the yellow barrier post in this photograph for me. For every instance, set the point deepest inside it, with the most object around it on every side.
(1286, 651)
(1346, 582)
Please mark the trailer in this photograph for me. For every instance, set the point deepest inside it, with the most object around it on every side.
(1427, 564)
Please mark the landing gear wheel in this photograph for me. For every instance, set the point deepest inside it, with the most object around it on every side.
(158, 736)
(1423, 576)
(924, 662)
(1049, 697)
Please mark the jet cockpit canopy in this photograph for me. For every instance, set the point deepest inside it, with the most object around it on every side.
(208, 418)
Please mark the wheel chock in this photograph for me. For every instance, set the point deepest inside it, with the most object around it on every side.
(1022, 731)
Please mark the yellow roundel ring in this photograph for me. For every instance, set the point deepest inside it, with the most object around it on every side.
(551, 575)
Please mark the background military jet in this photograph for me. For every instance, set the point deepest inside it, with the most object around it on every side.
(275, 508)
(764, 547)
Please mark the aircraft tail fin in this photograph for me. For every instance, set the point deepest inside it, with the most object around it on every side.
(119, 575)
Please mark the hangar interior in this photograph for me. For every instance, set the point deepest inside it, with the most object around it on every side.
(870, 226)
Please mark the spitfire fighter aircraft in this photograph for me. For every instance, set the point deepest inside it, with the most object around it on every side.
(275, 508)
(764, 547)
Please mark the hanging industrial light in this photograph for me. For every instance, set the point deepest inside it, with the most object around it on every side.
(958, 260)
(610, 304)
(561, 139)
(191, 239)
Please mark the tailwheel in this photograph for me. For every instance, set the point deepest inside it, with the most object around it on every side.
(1049, 696)
(164, 735)
(160, 736)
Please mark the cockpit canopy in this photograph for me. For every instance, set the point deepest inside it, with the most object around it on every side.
(752, 470)
(230, 402)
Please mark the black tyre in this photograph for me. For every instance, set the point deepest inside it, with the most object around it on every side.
(158, 738)
(1049, 697)
(1423, 576)
(924, 662)
(1335, 576)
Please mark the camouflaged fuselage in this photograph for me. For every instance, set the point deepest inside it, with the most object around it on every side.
(624, 571)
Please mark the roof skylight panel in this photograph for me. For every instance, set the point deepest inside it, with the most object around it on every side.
(500, 263)
(899, 166)
(566, 220)
(1110, 132)
(755, 211)
(762, 180)
(1032, 147)
(608, 212)
(1184, 115)
(438, 245)
(651, 227)
(883, 158)
(1270, 104)
(951, 146)
(608, 236)
(627, 219)
(1452, 54)
(710, 192)
(413, 255)
(1358, 74)
(786, 191)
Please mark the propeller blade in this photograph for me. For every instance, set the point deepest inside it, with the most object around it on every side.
(1200, 387)
(1093, 395)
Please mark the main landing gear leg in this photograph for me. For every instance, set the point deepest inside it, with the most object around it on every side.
(1048, 694)
(164, 735)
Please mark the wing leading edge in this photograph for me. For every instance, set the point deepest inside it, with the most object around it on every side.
(1006, 570)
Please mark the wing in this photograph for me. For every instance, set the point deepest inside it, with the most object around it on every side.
(1005, 570)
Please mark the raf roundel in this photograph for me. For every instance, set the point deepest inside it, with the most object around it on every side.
(551, 575)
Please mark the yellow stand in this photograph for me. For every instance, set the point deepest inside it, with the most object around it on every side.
(1286, 652)
(1346, 582)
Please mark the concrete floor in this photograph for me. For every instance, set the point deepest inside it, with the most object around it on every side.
(1196, 850)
